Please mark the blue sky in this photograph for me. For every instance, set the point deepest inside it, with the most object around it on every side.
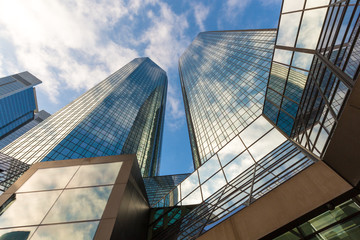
(72, 45)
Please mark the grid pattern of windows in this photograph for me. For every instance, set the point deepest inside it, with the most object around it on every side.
(39, 117)
(9, 84)
(325, 29)
(240, 190)
(16, 109)
(254, 162)
(67, 205)
(159, 186)
(17, 101)
(242, 153)
(10, 170)
(223, 77)
(343, 222)
(332, 74)
(122, 114)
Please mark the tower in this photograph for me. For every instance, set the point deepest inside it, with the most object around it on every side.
(17, 101)
(223, 77)
(122, 114)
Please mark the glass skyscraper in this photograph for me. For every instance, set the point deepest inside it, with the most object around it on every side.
(124, 114)
(38, 118)
(223, 76)
(17, 101)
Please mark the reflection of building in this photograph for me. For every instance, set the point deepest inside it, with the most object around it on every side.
(223, 76)
(276, 161)
(122, 114)
(292, 171)
(99, 198)
(38, 118)
(17, 101)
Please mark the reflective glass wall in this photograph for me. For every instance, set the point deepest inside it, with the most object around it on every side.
(343, 222)
(59, 203)
(17, 101)
(123, 114)
(223, 76)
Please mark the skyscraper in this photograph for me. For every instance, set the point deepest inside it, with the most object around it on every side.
(38, 118)
(17, 101)
(122, 114)
(292, 171)
(223, 77)
(287, 164)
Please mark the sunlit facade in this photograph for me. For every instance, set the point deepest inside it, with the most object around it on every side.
(307, 130)
(273, 119)
(121, 115)
(223, 76)
(38, 118)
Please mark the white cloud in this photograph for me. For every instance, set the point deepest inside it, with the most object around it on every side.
(63, 42)
(235, 7)
(73, 45)
(201, 12)
(166, 41)
(166, 37)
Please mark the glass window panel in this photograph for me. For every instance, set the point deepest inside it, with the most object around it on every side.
(193, 198)
(189, 184)
(79, 204)
(310, 28)
(282, 56)
(314, 132)
(28, 208)
(329, 217)
(290, 107)
(213, 184)
(296, 83)
(17, 233)
(274, 97)
(285, 121)
(316, 3)
(278, 77)
(271, 111)
(235, 201)
(239, 165)
(288, 28)
(231, 150)
(302, 60)
(85, 230)
(347, 230)
(47, 179)
(320, 143)
(253, 132)
(174, 196)
(208, 168)
(339, 97)
(96, 174)
(266, 144)
(291, 5)
(264, 182)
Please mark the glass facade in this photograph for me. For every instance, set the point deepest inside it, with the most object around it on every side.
(62, 207)
(317, 45)
(223, 76)
(343, 222)
(39, 117)
(10, 170)
(159, 186)
(17, 101)
(313, 67)
(123, 114)
(332, 76)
